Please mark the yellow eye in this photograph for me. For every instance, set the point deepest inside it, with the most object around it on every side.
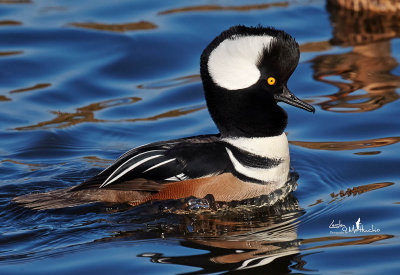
(271, 80)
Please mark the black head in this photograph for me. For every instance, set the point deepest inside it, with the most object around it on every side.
(245, 71)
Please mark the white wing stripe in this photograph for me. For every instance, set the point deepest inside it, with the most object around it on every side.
(116, 170)
(127, 153)
(159, 164)
(179, 177)
(173, 179)
(106, 182)
(131, 168)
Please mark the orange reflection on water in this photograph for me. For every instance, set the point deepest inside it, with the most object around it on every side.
(358, 190)
(34, 87)
(4, 98)
(87, 114)
(319, 46)
(11, 53)
(224, 8)
(133, 26)
(243, 238)
(248, 239)
(98, 162)
(316, 202)
(171, 83)
(82, 114)
(10, 23)
(345, 241)
(367, 68)
(168, 114)
(363, 25)
(15, 1)
(346, 145)
(31, 166)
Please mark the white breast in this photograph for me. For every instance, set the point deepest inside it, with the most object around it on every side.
(270, 147)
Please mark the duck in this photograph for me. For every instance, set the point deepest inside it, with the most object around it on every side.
(244, 71)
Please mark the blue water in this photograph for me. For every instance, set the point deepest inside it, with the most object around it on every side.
(83, 81)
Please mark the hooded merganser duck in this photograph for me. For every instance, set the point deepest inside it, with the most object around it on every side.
(244, 72)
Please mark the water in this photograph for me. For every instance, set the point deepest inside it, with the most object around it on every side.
(84, 81)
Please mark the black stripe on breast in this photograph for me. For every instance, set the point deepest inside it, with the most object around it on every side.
(251, 160)
(248, 179)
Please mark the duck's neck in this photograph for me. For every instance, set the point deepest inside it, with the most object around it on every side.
(238, 114)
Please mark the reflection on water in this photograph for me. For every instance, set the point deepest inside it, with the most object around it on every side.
(134, 26)
(345, 241)
(81, 115)
(31, 166)
(263, 239)
(10, 22)
(367, 67)
(346, 145)
(243, 8)
(238, 239)
(362, 26)
(98, 162)
(319, 46)
(11, 53)
(15, 1)
(87, 114)
(35, 87)
(357, 190)
(171, 83)
(4, 98)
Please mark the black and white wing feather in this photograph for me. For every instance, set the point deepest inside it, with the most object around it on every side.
(179, 160)
(141, 163)
(174, 160)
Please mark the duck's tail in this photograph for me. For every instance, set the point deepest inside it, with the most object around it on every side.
(131, 192)
(51, 200)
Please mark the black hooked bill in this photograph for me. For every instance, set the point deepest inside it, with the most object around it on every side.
(289, 98)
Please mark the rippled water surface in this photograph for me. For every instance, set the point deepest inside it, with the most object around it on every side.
(83, 81)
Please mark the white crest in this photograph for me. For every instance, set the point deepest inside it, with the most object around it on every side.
(233, 63)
